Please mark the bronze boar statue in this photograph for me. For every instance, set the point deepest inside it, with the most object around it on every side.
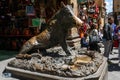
(55, 33)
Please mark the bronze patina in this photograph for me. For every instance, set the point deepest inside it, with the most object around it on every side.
(55, 33)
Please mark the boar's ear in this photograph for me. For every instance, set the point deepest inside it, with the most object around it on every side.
(62, 4)
(72, 5)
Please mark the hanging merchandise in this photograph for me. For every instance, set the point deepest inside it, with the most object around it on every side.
(26, 31)
(32, 1)
(96, 9)
(42, 12)
(95, 15)
(27, 1)
(91, 10)
(36, 22)
(94, 20)
(84, 7)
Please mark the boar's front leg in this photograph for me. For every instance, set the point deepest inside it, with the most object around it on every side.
(64, 46)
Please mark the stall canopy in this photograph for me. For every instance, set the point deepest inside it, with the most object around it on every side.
(81, 1)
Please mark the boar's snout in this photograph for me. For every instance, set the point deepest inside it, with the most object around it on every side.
(78, 21)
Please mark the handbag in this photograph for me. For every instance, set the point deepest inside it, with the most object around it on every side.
(94, 38)
(115, 37)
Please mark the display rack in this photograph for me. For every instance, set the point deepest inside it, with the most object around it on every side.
(14, 23)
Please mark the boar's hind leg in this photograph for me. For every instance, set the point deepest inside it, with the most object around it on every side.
(30, 44)
(23, 52)
(26, 47)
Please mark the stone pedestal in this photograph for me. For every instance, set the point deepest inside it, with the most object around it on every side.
(73, 38)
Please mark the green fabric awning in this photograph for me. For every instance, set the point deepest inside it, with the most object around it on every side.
(81, 1)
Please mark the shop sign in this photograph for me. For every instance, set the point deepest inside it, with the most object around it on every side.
(118, 17)
(30, 10)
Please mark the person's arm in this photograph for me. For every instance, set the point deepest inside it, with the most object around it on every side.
(105, 34)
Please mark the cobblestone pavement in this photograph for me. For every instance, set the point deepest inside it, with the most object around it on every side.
(113, 68)
(2, 68)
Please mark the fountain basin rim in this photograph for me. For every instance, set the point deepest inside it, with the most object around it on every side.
(37, 75)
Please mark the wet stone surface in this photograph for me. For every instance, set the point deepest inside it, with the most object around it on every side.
(82, 63)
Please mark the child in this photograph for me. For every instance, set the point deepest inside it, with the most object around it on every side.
(94, 39)
(84, 41)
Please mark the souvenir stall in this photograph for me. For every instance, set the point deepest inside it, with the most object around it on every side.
(89, 12)
(22, 19)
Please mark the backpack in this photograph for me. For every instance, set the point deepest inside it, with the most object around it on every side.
(94, 37)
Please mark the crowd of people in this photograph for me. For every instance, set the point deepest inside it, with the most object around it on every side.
(109, 37)
(92, 33)
(89, 13)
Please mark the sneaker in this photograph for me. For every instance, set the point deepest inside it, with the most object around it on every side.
(115, 52)
(111, 53)
(109, 62)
